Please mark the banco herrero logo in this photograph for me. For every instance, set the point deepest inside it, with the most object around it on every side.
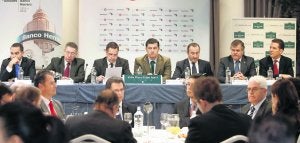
(289, 26)
(270, 35)
(258, 25)
(239, 34)
(258, 44)
(289, 44)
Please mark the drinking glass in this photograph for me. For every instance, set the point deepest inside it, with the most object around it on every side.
(163, 120)
(128, 117)
(173, 120)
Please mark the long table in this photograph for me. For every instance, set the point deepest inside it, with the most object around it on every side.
(79, 98)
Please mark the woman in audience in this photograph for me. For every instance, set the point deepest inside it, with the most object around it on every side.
(285, 101)
(21, 122)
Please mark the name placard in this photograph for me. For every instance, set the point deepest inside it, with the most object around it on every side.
(144, 79)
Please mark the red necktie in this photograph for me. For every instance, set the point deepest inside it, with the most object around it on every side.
(67, 71)
(275, 68)
(52, 110)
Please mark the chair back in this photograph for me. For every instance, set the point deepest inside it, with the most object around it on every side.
(88, 138)
(235, 139)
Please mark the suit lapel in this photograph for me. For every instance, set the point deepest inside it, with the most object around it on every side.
(104, 63)
(73, 68)
(44, 108)
(243, 65)
(146, 64)
(159, 64)
(231, 65)
(62, 65)
(186, 108)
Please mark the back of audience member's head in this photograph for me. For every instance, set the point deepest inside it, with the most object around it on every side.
(112, 80)
(6, 94)
(272, 129)
(107, 98)
(41, 76)
(29, 94)
(26, 123)
(208, 89)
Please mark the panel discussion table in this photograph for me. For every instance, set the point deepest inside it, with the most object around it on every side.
(79, 98)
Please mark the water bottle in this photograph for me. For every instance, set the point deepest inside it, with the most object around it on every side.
(93, 75)
(138, 121)
(20, 74)
(270, 74)
(187, 73)
(139, 71)
(228, 76)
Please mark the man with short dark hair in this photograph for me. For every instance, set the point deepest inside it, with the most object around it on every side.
(69, 65)
(217, 121)
(281, 65)
(11, 66)
(110, 60)
(193, 62)
(6, 94)
(101, 122)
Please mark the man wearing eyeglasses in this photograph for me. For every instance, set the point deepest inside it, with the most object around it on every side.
(69, 65)
(257, 91)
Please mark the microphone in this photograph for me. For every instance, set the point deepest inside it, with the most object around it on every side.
(85, 68)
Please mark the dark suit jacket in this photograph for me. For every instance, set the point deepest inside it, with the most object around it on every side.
(129, 108)
(28, 66)
(217, 125)
(285, 66)
(57, 107)
(247, 67)
(100, 124)
(101, 65)
(163, 66)
(182, 108)
(264, 110)
(204, 67)
(77, 72)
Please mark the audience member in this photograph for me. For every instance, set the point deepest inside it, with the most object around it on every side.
(241, 66)
(285, 101)
(272, 129)
(29, 94)
(296, 82)
(152, 62)
(281, 65)
(101, 122)
(21, 122)
(6, 95)
(111, 60)
(44, 80)
(187, 108)
(193, 62)
(259, 105)
(69, 65)
(11, 66)
(117, 85)
(217, 121)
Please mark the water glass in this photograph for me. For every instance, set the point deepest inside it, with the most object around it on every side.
(164, 120)
(128, 117)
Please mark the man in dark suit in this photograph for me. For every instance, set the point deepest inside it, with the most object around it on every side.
(259, 105)
(117, 85)
(187, 108)
(217, 121)
(11, 66)
(241, 66)
(196, 65)
(44, 80)
(153, 62)
(101, 122)
(111, 60)
(281, 65)
(68, 65)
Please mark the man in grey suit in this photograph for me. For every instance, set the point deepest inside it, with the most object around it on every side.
(68, 65)
(196, 65)
(111, 60)
(44, 80)
(153, 62)
(241, 66)
(259, 105)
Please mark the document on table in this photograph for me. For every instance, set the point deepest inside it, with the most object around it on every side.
(116, 71)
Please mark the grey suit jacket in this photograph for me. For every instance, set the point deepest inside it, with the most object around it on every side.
(77, 72)
(264, 110)
(57, 106)
(101, 65)
(247, 67)
(182, 108)
(163, 66)
(203, 66)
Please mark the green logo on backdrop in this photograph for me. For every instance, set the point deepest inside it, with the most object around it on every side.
(239, 34)
(271, 35)
(267, 53)
(258, 44)
(289, 26)
(258, 25)
(289, 44)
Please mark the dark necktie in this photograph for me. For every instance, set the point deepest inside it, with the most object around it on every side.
(252, 109)
(152, 66)
(194, 70)
(52, 110)
(17, 68)
(111, 65)
(275, 68)
(67, 70)
(237, 67)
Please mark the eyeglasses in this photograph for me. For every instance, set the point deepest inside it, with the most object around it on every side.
(254, 89)
(70, 53)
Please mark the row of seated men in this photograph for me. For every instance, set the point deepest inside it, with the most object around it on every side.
(70, 66)
(278, 119)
